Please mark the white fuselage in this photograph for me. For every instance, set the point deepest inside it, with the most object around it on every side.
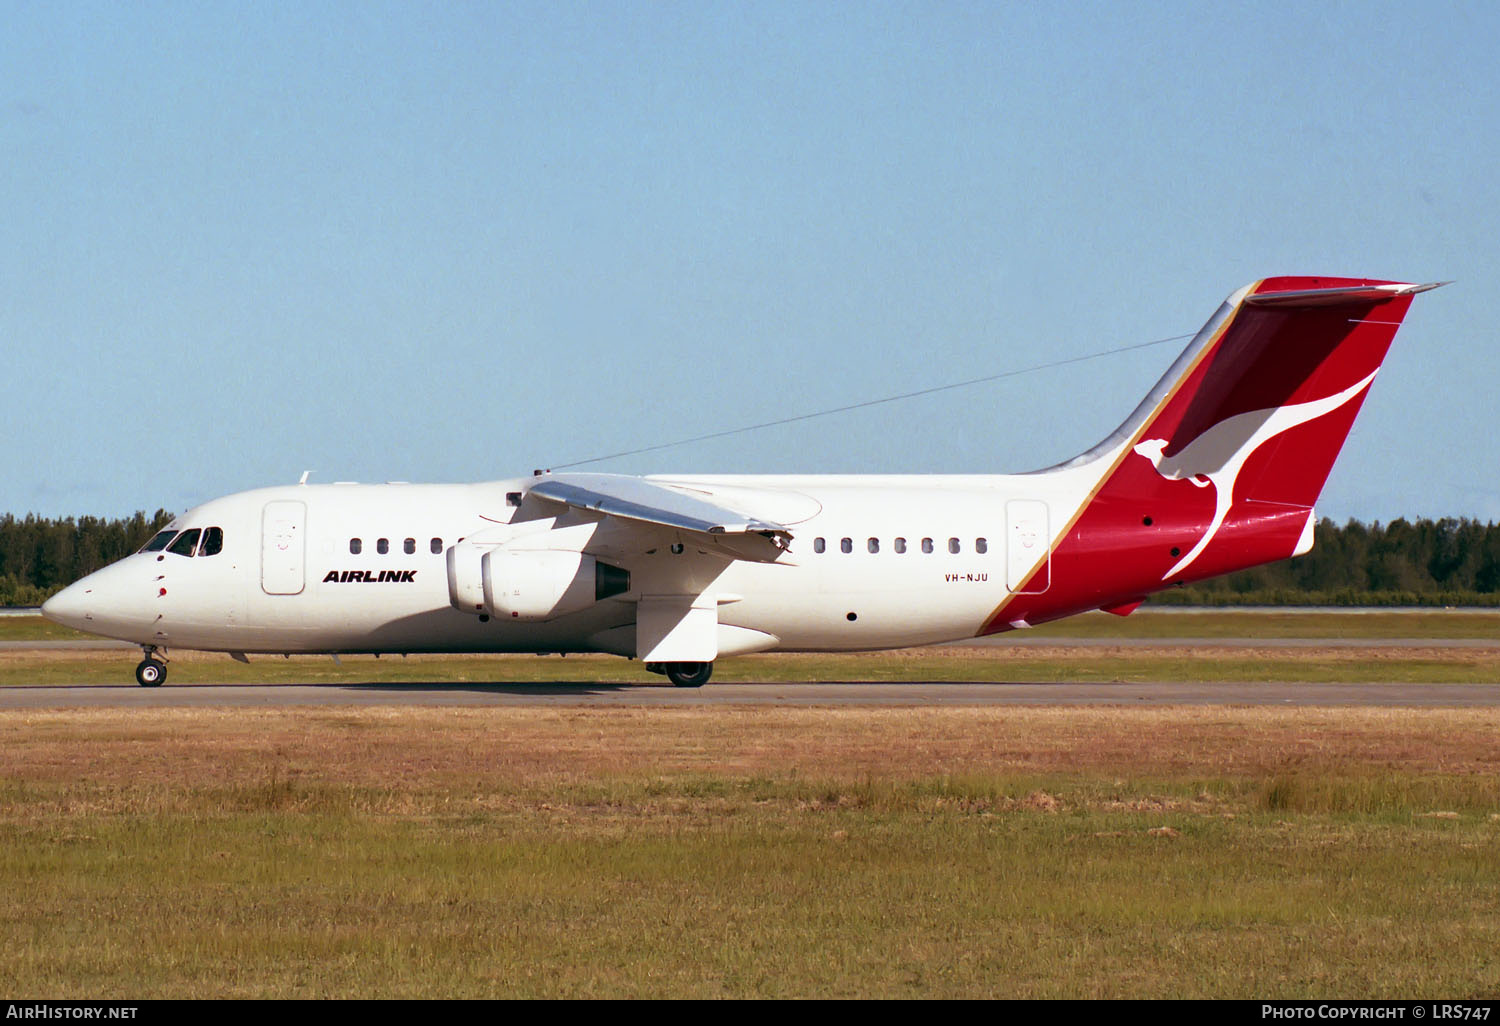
(306, 591)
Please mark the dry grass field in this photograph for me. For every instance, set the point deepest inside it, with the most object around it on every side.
(750, 852)
(738, 851)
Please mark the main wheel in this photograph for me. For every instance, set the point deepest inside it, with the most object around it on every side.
(689, 675)
(150, 673)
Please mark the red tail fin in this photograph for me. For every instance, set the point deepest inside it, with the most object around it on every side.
(1219, 468)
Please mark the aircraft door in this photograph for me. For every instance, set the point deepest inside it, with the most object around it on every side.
(283, 547)
(1028, 547)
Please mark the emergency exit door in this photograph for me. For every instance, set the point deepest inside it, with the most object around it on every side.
(1028, 547)
(283, 547)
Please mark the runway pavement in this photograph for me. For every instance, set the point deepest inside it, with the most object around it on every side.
(845, 694)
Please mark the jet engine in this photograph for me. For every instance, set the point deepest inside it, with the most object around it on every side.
(466, 578)
(543, 584)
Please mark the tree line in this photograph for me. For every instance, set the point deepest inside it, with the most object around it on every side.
(1422, 562)
(1447, 562)
(40, 556)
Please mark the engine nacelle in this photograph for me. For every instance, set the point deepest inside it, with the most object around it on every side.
(466, 578)
(543, 584)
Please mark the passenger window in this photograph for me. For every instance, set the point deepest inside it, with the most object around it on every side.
(186, 542)
(213, 542)
(900, 545)
(927, 545)
(383, 546)
(819, 545)
(953, 546)
(846, 545)
(437, 546)
(355, 546)
(409, 546)
(873, 545)
(162, 539)
(981, 546)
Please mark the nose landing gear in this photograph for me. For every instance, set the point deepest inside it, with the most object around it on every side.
(151, 671)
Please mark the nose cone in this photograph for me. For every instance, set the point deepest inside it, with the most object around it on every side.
(113, 602)
(71, 607)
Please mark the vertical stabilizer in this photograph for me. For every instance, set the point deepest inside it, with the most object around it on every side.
(1219, 467)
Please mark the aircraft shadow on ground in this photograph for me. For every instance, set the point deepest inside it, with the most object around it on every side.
(561, 687)
(590, 687)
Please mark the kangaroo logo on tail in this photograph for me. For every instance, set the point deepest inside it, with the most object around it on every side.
(1217, 456)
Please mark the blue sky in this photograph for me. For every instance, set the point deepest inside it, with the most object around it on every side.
(454, 242)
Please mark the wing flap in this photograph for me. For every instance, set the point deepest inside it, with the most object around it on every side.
(632, 498)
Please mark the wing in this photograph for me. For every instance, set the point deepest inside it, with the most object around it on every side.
(712, 524)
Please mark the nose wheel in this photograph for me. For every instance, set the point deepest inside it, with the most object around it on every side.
(151, 671)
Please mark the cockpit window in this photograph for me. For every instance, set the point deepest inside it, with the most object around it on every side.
(162, 539)
(186, 542)
(213, 542)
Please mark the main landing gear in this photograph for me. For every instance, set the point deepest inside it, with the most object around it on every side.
(151, 671)
(684, 675)
(689, 675)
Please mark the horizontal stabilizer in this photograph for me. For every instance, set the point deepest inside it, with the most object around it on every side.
(1343, 296)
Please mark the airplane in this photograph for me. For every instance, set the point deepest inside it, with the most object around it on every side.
(1216, 470)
